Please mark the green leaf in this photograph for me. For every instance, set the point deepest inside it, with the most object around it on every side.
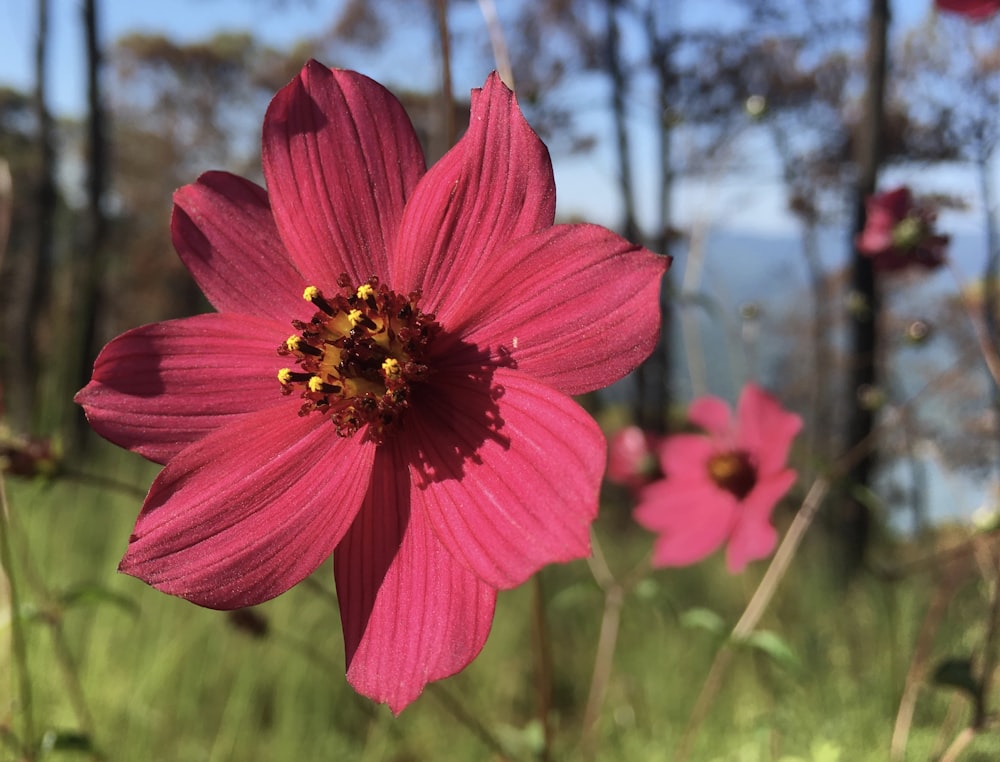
(700, 618)
(92, 595)
(774, 646)
(957, 673)
(66, 740)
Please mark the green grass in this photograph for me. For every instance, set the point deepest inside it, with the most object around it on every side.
(166, 680)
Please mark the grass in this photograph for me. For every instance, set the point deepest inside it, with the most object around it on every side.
(165, 680)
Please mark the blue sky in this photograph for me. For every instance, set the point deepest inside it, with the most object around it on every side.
(751, 201)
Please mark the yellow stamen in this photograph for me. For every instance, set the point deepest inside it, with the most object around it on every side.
(723, 467)
(365, 291)
(293, 343)
(354, 317)
(315, 384)
(310, 293)
(285, 375)
(391, 367)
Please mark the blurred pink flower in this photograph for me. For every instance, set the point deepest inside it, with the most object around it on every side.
(415, 419)
(632, 457)
(899, 233)
(973, 9)
(720, 487)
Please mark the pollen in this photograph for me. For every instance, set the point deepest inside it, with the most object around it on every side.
(359, 356)
(391, 367)
(734, 471)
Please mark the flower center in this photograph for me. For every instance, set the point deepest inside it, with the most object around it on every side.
(908, 233)
(358, 356)
(733, 471)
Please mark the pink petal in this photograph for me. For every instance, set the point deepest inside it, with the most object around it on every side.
(494, 186)
(341, 158)
(506, 500)
(973, 9)
(249, 511)
(692, 520)
(712, 415)
(753, 536)
(686, 456)
(765, 429)
(575, 306)
(224, 232)
(411, 614)
(158, 388)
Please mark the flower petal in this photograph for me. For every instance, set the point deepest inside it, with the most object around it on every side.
(411, 614)
(576, 306)
(712, 415)
(765, 429)
(686, 456)
(250, 510)
(692, 519)
(753, 536)
(160, 387)
(224, 232)
(340, 157)
(527, 493)
(495, 185)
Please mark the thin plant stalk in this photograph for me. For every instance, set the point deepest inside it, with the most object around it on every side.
(542, 642)
(753, 611)
(19, 648)
(981, 720)
(614, 596)
(501, 54)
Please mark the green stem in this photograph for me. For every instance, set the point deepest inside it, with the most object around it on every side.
(541, 637)
(18, 643)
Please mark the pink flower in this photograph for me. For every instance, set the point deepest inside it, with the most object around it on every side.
(899, 233)
(632, 457)
(412, 416)
(721, 486)
(973, 9)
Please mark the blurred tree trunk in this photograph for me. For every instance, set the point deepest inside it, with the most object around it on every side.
(616, 72)
(653, 376)
(853, 519)
(450, 128)
(29, 290)
(91, 261)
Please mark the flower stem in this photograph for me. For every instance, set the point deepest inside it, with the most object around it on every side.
(18, 644)
(753, 612)
(614, 598)
(542, 639)
(501, 55)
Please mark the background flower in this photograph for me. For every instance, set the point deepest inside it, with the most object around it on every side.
(899, 233)
(632, 460)
(974, 9)
(418, 426)
(721, 486)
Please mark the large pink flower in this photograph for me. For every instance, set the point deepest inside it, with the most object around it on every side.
(721, 486)
(973, 9)
(899, 233)
(411, 417)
